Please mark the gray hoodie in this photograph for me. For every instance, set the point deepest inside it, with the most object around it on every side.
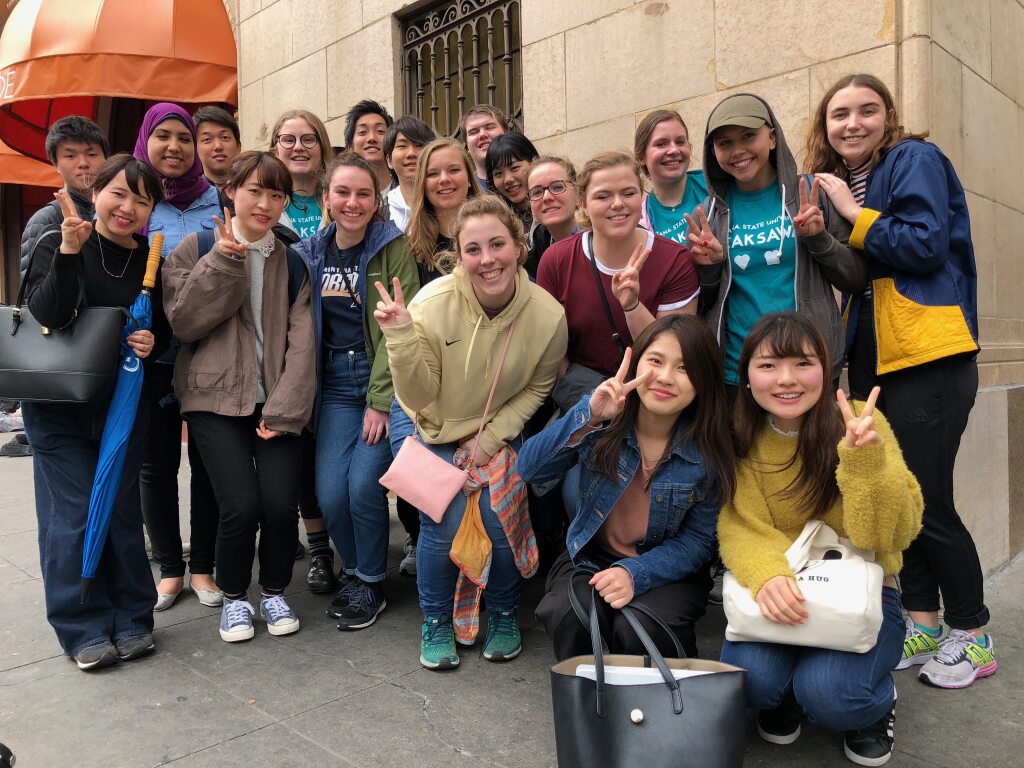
(822, 261)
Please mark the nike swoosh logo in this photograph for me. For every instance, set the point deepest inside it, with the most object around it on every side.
(449, 343)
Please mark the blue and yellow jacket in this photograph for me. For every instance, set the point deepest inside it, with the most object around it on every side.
(916, 232)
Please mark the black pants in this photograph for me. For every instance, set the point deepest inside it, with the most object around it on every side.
(256, 482)
(308, 506)
(680, 605)
(158, 484)
(927, 407)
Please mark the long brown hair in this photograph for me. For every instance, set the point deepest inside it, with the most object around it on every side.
(708, 414)
(822, 158)
(645, 130)
(326, 150)
(423, 225)
(789, 334)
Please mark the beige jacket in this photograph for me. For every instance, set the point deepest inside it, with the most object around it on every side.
(207, 303)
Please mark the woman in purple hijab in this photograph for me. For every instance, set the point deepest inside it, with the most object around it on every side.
(167, 144)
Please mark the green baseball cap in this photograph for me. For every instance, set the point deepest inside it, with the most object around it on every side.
(743, 109)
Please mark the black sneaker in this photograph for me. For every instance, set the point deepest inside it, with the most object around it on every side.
(320, 577)
(872, 745)
(340, 600)
(16, 446)
(134, 646)
(781, 725)
(365, 603)
(717, 576)
(300, 551)
(96, 656)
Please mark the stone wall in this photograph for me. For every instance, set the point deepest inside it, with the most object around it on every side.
(592, 69)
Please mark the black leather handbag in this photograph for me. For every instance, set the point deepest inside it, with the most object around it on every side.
(693, 722)
(74, 364)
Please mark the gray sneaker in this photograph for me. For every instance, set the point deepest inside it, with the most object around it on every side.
(717, 575)
(408, 565)
(280, 618)
(134, 646)
(236, 621)
(96, 656)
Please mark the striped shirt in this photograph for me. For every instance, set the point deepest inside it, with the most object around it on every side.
(859, 180)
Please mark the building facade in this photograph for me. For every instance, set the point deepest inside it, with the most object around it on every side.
(591, 69)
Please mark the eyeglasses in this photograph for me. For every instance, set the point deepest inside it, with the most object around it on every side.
(287, 140)
(555, 188)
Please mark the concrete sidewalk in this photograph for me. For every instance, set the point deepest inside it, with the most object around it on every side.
(324, 698)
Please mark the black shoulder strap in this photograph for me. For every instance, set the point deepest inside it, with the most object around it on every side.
(604, 302)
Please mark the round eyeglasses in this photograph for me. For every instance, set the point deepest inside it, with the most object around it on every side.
(555, 188)
(287, 140)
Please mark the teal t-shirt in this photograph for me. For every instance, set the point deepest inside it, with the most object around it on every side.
(305, 215)
(762, 251)
(668, 221)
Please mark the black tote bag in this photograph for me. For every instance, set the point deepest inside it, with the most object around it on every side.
(696, 722)
(74, 364)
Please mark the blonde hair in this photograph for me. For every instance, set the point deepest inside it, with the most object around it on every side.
(601, 162)
(326, 150)
(424, 227)
(822, 158)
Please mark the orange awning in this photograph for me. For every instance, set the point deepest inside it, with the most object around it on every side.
(58, 56)
(16, 168)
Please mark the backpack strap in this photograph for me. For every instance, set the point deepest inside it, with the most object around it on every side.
(206, 240)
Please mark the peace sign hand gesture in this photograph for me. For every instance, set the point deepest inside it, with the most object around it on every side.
(74, 231)
(860, 430)
(391, 314)
(226, 242)
(608, 400)
(809, 221)
(704, 246)
(626, 284)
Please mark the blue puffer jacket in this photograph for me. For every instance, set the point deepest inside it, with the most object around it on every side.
(680, 536)
(916, 232)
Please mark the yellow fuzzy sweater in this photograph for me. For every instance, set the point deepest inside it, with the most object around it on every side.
(879, 508)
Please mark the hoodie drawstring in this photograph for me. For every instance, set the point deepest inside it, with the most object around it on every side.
(469, 353)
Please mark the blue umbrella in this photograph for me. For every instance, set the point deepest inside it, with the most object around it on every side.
(118, 428)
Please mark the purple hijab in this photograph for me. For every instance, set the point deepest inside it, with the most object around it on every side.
(184, 190)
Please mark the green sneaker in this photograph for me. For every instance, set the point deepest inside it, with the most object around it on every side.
(919, 647)
(960, 661)
(503, 641)
(437, 644)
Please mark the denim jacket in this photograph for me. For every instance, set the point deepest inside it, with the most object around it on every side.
(680, 536)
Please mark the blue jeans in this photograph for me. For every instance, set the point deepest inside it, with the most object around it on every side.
(839, 691)
(436, 574)
(65, 448)
(348, 470)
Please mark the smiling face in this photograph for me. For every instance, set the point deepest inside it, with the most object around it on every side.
(120, 212)
(855, 123)
(77, 162)
(368, 141)
(551, 209)
(217, 149)
(257, 208)
(667, 157)
(668, 390)
(301, 161)
(745, 154)
(404, 158)
(510, 181)
(447, 179)
(612, 201)
(785, 387)
(490, 256)
(171, 149)
(352, 200)
(481, 130)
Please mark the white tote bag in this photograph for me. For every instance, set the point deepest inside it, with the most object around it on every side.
(842, 587)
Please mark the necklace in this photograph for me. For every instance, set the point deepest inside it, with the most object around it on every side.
(103, 262)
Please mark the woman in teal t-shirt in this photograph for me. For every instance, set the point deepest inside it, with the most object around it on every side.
(662, 148)
(300, 141)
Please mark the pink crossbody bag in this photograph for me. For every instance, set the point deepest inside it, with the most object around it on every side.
(423, 478)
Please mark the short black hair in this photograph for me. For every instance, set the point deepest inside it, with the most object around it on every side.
(219, 116)
(414, 129)
(507, 149)
(361, 109)
(270, 172)
(142, 180)
(74, 128)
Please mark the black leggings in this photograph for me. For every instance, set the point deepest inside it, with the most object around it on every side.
(927, 407)
(256, 482)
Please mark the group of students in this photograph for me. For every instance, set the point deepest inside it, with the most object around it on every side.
(657, 370)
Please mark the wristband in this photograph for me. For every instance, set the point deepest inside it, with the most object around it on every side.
(637, 304)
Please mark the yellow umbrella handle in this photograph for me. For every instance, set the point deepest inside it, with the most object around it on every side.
(153, 262)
